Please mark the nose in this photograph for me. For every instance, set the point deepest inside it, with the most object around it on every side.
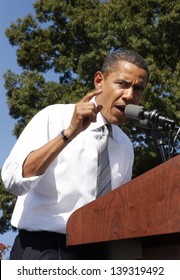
(128, 95)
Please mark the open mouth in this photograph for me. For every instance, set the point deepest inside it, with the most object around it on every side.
(120, 108)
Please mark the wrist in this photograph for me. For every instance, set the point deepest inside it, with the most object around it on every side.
(71, 133)
(65, 136)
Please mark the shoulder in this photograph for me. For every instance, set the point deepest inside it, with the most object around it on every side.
(58, 108)
(55, 110)
(124, 144)
(55, 113)
(120, 136)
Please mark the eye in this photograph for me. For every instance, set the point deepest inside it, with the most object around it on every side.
(123, 84)
(138, 89)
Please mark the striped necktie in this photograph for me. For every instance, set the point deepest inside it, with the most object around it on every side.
(103, 168)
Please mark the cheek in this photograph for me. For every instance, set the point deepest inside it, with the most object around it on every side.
(105, 97)
(106, 102)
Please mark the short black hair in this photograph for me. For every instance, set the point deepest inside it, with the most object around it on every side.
(111, 61)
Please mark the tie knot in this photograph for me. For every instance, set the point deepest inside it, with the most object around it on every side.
(107, 130)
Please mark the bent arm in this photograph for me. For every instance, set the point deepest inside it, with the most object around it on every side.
(35, 150)
(38, 161)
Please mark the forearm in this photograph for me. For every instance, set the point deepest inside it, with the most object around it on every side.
(39, 160)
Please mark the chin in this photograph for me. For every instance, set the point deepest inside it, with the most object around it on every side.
(116, 121)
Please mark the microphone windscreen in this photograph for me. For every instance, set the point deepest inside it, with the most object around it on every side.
(133, 111)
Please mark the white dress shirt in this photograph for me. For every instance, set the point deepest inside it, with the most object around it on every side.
(45, 202)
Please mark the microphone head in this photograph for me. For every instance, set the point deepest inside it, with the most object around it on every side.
(133, 111)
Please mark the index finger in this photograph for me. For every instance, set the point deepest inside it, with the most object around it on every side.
(90, 95)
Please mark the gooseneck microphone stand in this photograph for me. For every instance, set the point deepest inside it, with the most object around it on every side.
(162, 126)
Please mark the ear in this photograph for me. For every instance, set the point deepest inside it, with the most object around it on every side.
(98, 78)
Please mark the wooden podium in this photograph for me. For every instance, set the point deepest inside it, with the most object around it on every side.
(139, 220)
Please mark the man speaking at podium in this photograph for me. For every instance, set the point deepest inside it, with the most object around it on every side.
(69, 155)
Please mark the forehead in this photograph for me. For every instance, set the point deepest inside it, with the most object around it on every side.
(129, 72)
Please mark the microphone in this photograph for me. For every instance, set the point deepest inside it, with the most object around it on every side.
(149, 120)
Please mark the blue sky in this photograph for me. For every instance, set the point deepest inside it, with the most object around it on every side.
(10, 10)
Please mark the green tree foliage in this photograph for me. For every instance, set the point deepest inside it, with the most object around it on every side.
(70, 38)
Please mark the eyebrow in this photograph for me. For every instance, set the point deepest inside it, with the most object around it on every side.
(137, 87)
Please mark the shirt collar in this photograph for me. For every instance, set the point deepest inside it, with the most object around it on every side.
(100, 121)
